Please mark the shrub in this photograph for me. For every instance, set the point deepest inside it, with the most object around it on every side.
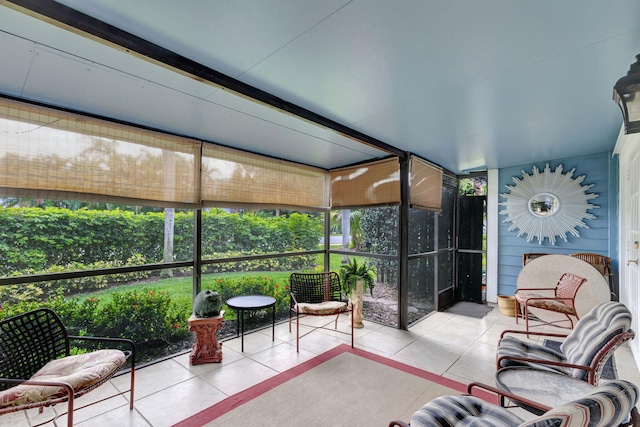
(251, 285)
(144, 316)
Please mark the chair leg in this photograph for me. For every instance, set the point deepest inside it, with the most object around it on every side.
(133, 370)
(69, 410)
(526, 318)
(297, 332)
(516, 309)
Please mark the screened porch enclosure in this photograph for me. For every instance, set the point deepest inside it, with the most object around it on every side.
(408, 206)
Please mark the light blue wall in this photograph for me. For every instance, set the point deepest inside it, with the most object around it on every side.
(601, 237)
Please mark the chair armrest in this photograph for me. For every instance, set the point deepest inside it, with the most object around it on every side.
(526, 301)
(18, 381)
(534, 289)
(293, 299)
(345, 297)
(501, 395)
(541, 334)
(545, 362)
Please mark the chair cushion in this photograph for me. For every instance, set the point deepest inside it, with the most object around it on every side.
(453, 411)
(608, 405)
(323, 308)
(80, 372)
(593, 331)
(515, 347)
(546, 304)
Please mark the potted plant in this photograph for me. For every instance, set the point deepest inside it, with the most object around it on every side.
(356, 279)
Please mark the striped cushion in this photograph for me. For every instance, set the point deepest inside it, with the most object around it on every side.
(452, 411)
(608, 405)
(592, 332)
(514, 347)
(580, 347)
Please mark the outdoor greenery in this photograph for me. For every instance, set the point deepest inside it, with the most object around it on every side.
(150, 308)
(37, 239)
(145, 316)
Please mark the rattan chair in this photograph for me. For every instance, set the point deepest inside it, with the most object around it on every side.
(562, 301)
(37, 369)
(317, 294)
(528, 257)
(603, 265)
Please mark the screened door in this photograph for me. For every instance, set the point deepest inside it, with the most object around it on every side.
(471, 254)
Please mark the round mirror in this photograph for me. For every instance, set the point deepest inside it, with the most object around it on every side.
(543, 204)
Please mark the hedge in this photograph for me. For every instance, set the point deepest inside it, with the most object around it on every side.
(36, 239)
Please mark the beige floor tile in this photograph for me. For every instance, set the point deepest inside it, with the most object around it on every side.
(478, 364)
(178, 402)
(228, 356)
(388, 343)
(121, 417)
(238, 376)
(253, 343)
(154, 378)
(282, 357)
(96, 409)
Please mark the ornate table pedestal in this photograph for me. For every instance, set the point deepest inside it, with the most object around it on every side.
(206, 349)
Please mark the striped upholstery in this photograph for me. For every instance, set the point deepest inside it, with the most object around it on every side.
(610, 404)
(450, 411)
(592, 332)
(607, 405)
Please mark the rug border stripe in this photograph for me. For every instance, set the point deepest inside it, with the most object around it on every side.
(232, 402)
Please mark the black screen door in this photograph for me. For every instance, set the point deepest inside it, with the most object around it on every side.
(471, 229)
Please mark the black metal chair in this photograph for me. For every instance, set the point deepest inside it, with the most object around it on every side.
(317, 294)
(37, 369)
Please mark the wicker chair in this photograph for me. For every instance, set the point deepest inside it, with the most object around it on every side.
(603, 265)
(562, 301)
(582, 354)
(317, 294)
(37, 370)
(527, 257)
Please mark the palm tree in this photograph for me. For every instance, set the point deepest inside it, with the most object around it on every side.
(347, 222)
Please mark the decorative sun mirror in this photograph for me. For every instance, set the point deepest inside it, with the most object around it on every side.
(548, 204)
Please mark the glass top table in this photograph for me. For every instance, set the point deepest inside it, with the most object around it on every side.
(543, 387)
(251, 303)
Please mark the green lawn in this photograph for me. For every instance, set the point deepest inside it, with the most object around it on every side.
(180, 288)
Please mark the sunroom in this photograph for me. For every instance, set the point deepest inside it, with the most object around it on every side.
(338, 109)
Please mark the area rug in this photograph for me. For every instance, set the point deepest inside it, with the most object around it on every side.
(470, 309)
(342, 387)
(609, 370)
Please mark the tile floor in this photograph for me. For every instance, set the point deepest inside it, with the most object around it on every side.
(457, 347)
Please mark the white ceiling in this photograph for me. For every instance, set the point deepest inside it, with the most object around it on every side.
(466, 84)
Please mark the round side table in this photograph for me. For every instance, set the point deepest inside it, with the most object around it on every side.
(251, 303)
